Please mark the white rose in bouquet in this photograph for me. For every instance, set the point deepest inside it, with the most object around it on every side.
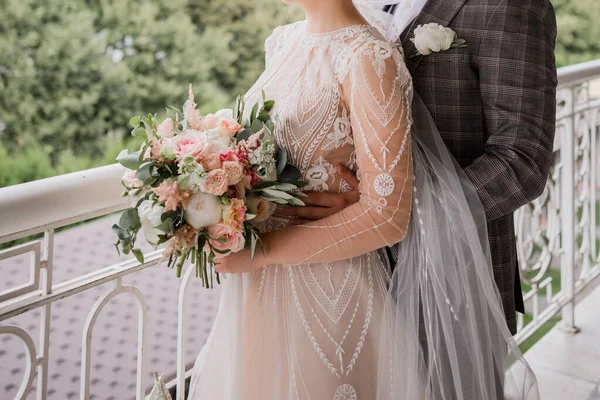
(433, 38)
(150, 214)
(203, 210)
(217, 140)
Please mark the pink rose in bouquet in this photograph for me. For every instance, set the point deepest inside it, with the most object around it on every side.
(190, 143)
(223, 240)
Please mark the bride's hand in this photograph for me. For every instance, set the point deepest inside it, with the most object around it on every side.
(322, 205)
(240, 262)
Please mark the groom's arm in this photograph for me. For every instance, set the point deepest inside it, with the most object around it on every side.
(518, 89)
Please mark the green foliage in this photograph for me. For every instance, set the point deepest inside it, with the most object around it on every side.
(74, 72)
(578, 31)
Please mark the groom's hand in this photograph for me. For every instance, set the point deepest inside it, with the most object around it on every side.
(321, 205)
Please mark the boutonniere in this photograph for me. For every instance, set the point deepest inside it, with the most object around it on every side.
(433, 38)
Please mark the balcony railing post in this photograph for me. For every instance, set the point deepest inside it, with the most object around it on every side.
(567, 272)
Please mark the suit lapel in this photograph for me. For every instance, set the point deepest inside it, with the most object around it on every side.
(439, 11)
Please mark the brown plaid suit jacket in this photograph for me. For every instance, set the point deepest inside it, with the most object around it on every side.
(494, 103)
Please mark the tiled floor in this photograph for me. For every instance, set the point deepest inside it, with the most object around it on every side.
(80, 250)
(568, 365)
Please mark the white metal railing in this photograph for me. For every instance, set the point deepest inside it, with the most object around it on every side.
(45, 205)
(558, 233)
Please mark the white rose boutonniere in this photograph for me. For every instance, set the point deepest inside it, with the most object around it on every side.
(433, 38)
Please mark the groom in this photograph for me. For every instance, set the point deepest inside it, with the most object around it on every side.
(494, 103)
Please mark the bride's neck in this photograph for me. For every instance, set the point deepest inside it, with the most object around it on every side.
(330, 15)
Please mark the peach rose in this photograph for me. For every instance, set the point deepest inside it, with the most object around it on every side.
(211, 162)
(237, 191)
(234, 172)
(190, 143)
(165, 129)
(229, 126)
(234, 215)
(233, 242)
(216, 182)
(260, 207)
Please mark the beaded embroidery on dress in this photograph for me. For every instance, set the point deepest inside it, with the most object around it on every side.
(314, 328)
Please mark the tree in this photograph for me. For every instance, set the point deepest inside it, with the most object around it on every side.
(73, 72)
(578, 31)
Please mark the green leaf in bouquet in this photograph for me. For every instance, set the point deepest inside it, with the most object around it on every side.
(263, 117)
(278, 194)
(264, 184)
(256, 126)
(263, 95)
(174, 109)
(253, 113)
(134, 121)
(144, 173)
(138, 254)
(268, 105)
(130, 220)
(297, 202)
(244, 135)
(282, 159)
(125, 238)
(290, 174)
(286, 187)
(129, 160)
(227, 251)
(253, 240)
(201, 241)
(138, 132)
(275, 200)
(238, 111)
(166, 226)
(270, 126)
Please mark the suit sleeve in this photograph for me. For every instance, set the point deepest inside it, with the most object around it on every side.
(518, 88)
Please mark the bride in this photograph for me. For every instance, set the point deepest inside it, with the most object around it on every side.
(320, 315)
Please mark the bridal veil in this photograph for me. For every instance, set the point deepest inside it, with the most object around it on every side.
(442, 290)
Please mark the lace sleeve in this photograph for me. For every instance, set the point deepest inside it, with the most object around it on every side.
(271, 44)
(378, 91)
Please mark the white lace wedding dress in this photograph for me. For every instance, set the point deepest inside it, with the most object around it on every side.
(314, 327)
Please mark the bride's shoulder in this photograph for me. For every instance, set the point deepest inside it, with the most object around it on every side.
(280, 33)
(371, 52)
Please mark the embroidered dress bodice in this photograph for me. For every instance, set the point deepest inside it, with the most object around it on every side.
(313, 326)
(342, 97)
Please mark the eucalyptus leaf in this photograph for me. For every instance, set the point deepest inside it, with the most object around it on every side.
(129, 160)
(244, 135)
(138, 254)
(130, 220)
(166, 226)
(256, 126)
(138, 132)
(144, 173)
(134, 121)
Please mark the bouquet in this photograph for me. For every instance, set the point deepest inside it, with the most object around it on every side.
(200, 184)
